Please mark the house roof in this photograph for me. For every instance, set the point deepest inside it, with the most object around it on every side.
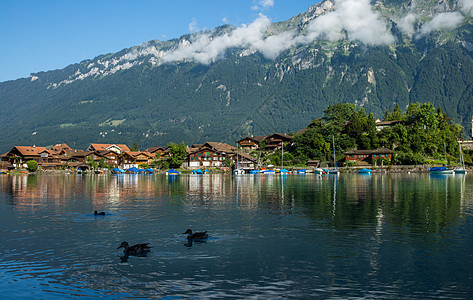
(155, 149)
(246, 156)
(381, 150)
(221, 147)
(61, 147)
(387, 123)
(279, 136)
(256, 139)
(134, 154)
(29, 150)
(123, 147)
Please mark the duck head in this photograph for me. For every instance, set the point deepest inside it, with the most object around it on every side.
(188, 231)
(124, 245)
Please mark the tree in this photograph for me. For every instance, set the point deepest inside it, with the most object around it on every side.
(92, 163)
(31, 165)
(135, 147)
(177, 154)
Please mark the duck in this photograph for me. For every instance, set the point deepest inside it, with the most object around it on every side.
(102, 213)
(138, 249)
(196, 235)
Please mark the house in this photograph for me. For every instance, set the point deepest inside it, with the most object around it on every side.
(110, 157)
(61, 149)
(275, 141)
(369, 156)
(117, 148)
(250, 142)
(244, 161)
(19, 155)
(157, 151)
(313, 163)
(380, 125)
(130, 159)
(209, 154)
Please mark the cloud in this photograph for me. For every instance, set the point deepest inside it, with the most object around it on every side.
(262, 4)
(193, 26)
(442, 21)
(406, 24)
(354, 19)
(205, 49)
(467, 6)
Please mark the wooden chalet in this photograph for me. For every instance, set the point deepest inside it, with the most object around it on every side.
(250, 142)
(61, 149)
(209, 154)
(19, 155)
(275, 141)
(157, 151)
(369, 156)
(130, 159)
(244, 161)
(117, 148)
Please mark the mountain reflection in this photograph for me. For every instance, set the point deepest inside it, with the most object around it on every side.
(417, 201)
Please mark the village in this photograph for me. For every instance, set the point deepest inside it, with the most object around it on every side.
(210, 155)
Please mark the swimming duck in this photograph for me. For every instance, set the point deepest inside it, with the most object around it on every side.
(102, 213)
(138, 249)
(196, 235)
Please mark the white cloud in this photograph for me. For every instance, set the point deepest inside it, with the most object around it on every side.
(354, 19)
(442, 21)
(193, 27)
(205, 49)
(406, 24)
(467, 6)
(262, 4)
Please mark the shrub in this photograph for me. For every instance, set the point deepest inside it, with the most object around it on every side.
(31, 165)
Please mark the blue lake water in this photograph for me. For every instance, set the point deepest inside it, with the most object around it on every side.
(394, 236)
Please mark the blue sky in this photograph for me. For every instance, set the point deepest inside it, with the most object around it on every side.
(51, 34)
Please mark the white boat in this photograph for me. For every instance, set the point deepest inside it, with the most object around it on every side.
(461, 169)
(319, 171)
(334, 171)
(238, 171)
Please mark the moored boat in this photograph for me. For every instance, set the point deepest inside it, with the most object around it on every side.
(440, 170)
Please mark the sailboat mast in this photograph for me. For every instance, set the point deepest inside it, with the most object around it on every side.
(334, 157)
(282, 155)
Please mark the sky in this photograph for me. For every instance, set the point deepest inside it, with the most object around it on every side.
(52, 34)
(45, 35)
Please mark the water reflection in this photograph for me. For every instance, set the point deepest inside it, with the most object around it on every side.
(347, 236)
(363, 199)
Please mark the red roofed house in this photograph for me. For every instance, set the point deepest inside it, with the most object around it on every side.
(117, 148)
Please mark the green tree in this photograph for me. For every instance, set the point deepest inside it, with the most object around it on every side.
(135, 147)
(177, 154)
(31, 165)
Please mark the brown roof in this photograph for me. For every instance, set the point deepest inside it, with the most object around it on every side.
(61, 147)
(30, 151)
(222, 147)
(256, 139)
(123, 147)
(381, 150)
(154, 149)
(136, 153)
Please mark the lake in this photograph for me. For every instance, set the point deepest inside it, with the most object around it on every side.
(395, 236)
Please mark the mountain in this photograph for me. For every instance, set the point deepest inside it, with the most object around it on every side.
(229, 82)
